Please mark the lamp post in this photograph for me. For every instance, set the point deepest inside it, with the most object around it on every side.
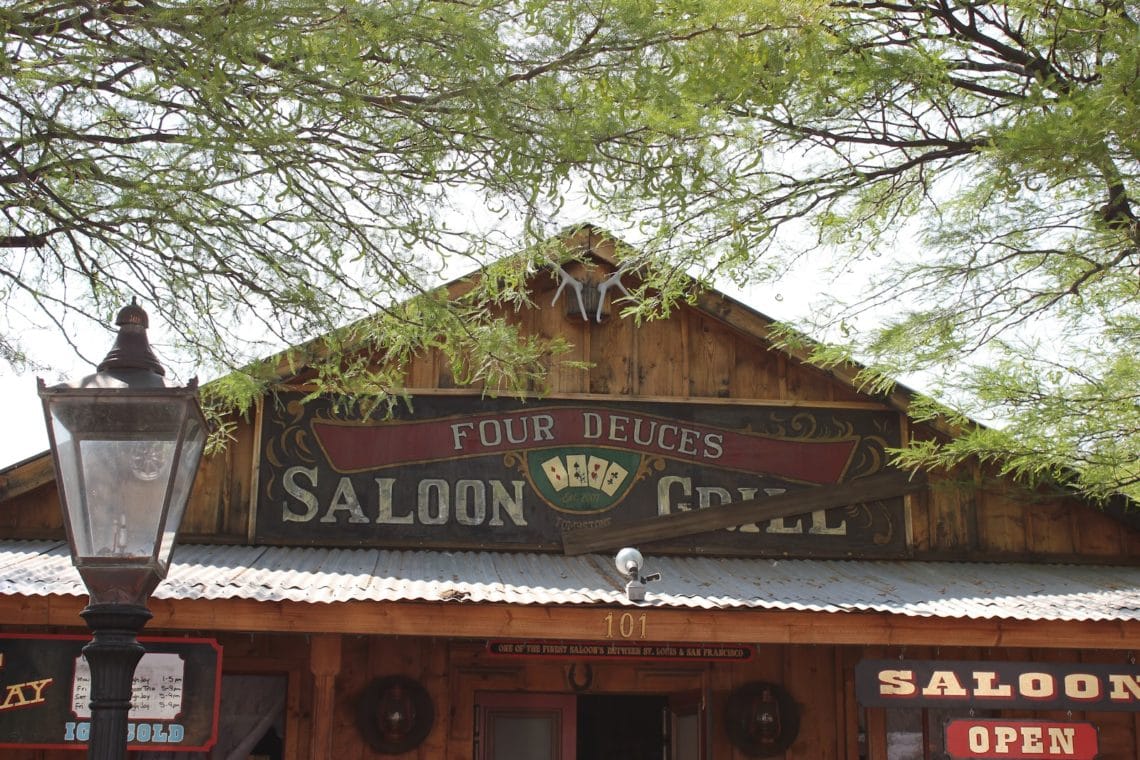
(126, 446)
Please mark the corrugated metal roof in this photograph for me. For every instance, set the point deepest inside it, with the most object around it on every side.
(1011, 591)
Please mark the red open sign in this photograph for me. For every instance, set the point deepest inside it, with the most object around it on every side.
(1017, 739)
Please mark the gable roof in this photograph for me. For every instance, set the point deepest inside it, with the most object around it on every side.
(600, 247)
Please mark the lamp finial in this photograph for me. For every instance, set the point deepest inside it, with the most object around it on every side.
(132, 349)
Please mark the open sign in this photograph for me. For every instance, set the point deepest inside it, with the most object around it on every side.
(1056, 740)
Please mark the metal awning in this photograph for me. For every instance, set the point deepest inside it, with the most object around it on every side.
(962, 590)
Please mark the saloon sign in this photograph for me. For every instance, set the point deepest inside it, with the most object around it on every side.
(997, 685)
(468, 471)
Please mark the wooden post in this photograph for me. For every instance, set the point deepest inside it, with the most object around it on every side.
(324, 662)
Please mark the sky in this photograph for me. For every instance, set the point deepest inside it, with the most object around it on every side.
(24, 432)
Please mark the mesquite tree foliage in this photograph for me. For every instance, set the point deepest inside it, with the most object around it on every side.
(264, 172)
(1001, 140)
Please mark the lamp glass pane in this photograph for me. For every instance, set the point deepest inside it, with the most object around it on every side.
(189, 456)
(125, 489)
(115, 457)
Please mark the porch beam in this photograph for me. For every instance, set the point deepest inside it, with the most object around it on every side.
(589, 623)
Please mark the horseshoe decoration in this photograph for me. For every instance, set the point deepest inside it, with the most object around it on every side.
(587, 680)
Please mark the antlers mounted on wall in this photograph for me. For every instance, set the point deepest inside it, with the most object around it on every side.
(577, 285)
(581, 292)
(613, 281)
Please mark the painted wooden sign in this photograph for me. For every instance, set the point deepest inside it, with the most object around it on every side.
(473, 472)
(47, 692)
(621, 650)
(997, 685)
(1021, 739)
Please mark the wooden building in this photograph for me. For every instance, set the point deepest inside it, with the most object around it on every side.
(443, 584)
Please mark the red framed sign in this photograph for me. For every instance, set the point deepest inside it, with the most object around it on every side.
(620, 650)
(45, 693)
(1020, 739)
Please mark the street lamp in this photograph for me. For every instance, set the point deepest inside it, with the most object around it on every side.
(126, 447)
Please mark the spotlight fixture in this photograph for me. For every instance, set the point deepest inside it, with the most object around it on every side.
(629, 563)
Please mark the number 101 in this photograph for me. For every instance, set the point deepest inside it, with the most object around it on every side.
(628, 625)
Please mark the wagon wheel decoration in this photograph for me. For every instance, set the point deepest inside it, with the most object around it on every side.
(394, 714)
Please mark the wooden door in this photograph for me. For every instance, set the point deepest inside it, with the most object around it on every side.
(687, 722)
(525, 726)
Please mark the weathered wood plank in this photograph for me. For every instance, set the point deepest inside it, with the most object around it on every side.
(951, 506)
(207, 499)
(1115, 731)
(752, 323)
(756, 372)
(35, 514)
(918, 519)
(1096, 533)
(432, 671)
(1001, 522)
(612, 354)
(423, 370)
(805, 384)
(677, 524)
(241, 475)
(582, 624)
(358, 669)
(812, 665)
(324, 663)
(546, 320)
(660, 353)
(1050, 529)
(713, 358)
(28, 476)
(847, 708)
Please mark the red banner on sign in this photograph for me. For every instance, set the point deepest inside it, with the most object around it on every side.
(353, 447)
(1020, 739)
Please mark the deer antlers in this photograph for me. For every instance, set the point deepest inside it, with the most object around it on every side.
(613, 281)
(567, 279)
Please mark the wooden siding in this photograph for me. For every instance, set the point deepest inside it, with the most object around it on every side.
(819, 678)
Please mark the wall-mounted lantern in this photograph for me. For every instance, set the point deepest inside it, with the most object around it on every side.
(761, 718)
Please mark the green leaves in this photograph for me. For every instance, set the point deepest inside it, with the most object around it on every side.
(264, 173)
(267, 172)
